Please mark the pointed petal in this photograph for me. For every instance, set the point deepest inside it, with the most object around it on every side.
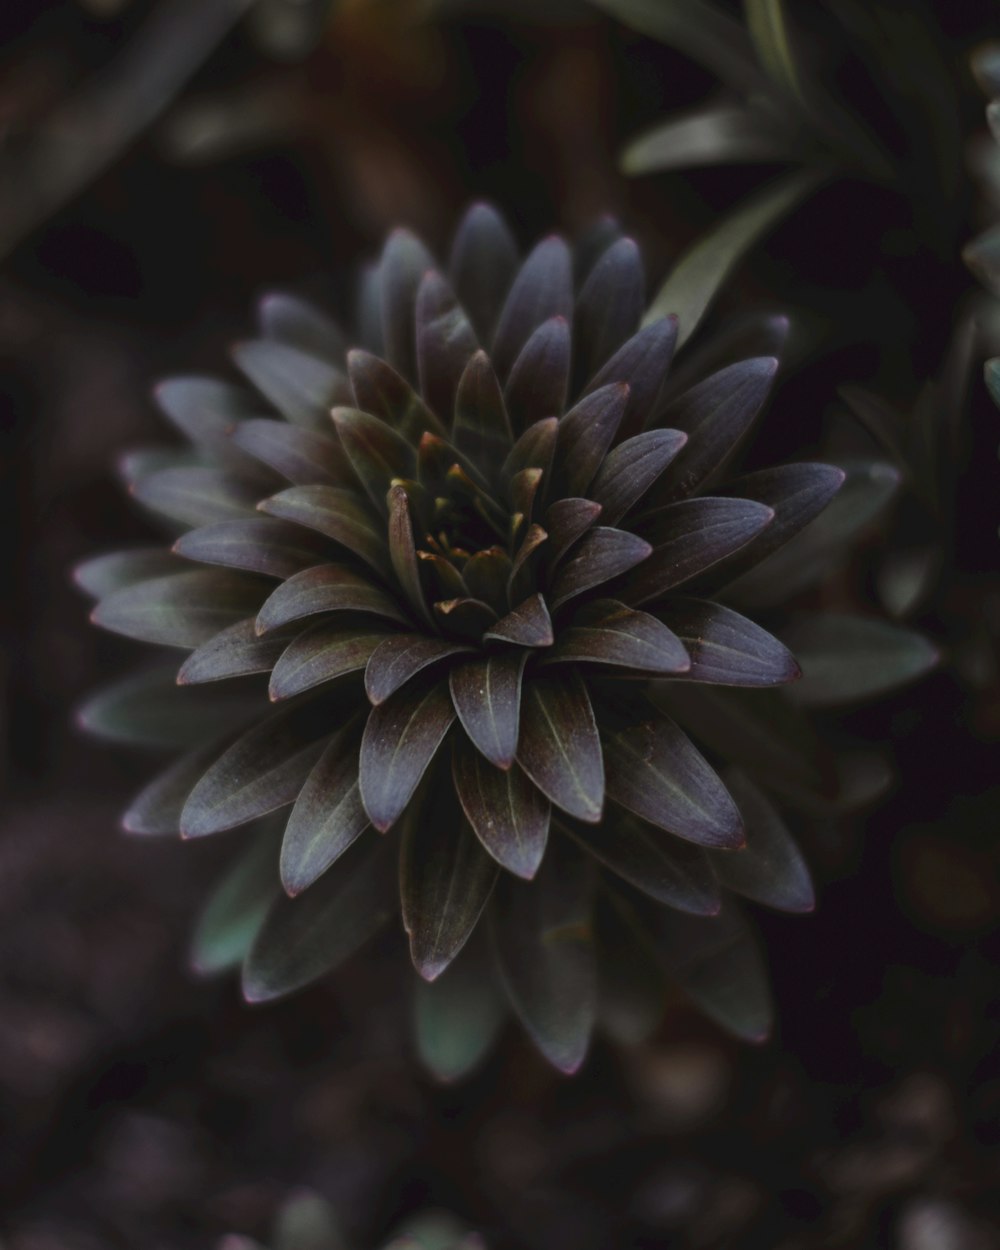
(445, 342)
(325, 588)
(323, 653)
(339, 514)
(510, 816)
(603, 554)
(401, 738)
(770, 868)
(445, 880)
(725, 647)
(156, 810)
(303, 457)
(376, 451)
(328, 815)
(586, 433)
(404, 262)
(539, 378)
(182, 610)
(643, 362)
(534, 449)
(403, 552)
(482, 266)
(655, 772)
(256, 544)
(631, 468)
(481, 430)
(487, 697)
(528, 625)
(380, 390)
(543, 288)
(402, 656)
(544, 951)
(234, 652)
(608, 632)
(297, 323)
(302, 387)
(610, 305)
(195, 495)
(566, 521)
(559, 747)
(204, 409)
(236, 908)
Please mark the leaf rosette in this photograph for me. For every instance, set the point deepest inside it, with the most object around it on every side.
(463, 608)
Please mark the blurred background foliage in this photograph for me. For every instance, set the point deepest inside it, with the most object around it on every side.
(163, 164)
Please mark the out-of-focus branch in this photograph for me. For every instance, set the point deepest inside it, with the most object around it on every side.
(89, 130)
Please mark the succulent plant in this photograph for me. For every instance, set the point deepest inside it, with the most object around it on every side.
(461, 600)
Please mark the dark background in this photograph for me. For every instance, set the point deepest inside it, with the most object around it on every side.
(139, 1107)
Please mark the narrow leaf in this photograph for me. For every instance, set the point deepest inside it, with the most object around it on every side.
(643, 363)
(770, 868)
(543, 288)
(487, 697)
(482, 266)
(403, 552)
(669, 870)
(236, 651)
(377, 452)
(404, 262)
(845, 658)
(235, 910)
(303, 457)
(400, 657)
(769, 32)
(539, 379)
(401, 738)
(339, 514)
(302, 939)
(697, 277)
(380, 390)
(709, 136)
(586, 433)
(481, 430)
(459, 1015)
(297, 323)
(256, 544)
(725, 647)
(328, 815)
(608, 632)
(655, 772)
(528, 625)
(182, 610)
(566, 521)
(600, 556)
(325, 588)
(204, 410)
(156, 810)
(195, 496)
(301, 386)
(510, 817)
(323, 653)
(262, 771)
(445, 879)
(559, 747)
(445, 342)
(631, 468)
(610, 305)
(690, 537)
(544, 950)
(102, 575)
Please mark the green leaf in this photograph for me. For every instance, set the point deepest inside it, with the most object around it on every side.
(669, 870)
(195, 495)
(149, 709)
(235, 910)
(690, 537)
(770, 868)
(482, 265)
(379, 455)
(401, 657)
(302, 387)
(487, 697)
(261, 772)
(234, 652)
(769, 32)
(608, 632)
(725, 647)
(538, 385)
(586, 433)
(100, 576)
(459, 1015)
(303, 457)
(700, 273)
(339, 514)
(559, 748)
(445, 880)
(401, 738)
(302, 939)
(601, 555)
(528, 625)
(709, 136)
(846, 658)
(630, 470)
(510, 817)
(717, 962)
(654, 771)
(544, 949)
(255, 544)
(182, 610)
(542, 289)
(328, 815)
(325, 588)
(323, 653)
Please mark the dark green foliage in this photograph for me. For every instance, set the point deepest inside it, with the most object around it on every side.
(486, 595)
